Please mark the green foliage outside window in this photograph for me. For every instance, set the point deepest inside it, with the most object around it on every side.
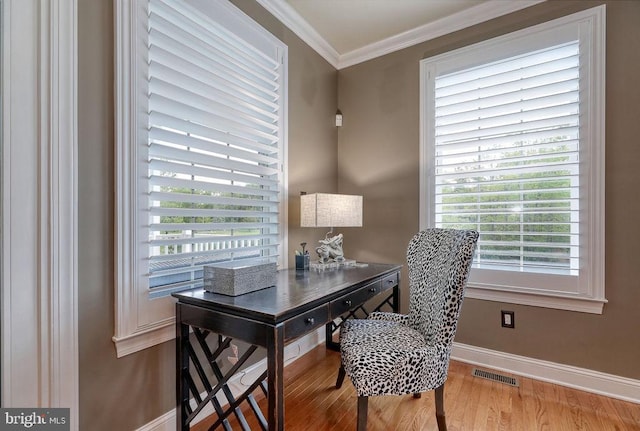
(521, 216)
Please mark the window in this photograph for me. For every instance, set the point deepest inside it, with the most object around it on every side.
(513, 146)
(201, 154)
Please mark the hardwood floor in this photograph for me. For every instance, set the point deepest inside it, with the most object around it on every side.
(471, 404)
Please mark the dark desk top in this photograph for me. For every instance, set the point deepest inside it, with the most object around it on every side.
(294, 293)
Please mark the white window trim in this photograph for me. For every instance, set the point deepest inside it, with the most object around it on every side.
(592, 299)
(39, 205)
(132, 307)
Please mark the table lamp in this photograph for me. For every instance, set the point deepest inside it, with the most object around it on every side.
(331, 210)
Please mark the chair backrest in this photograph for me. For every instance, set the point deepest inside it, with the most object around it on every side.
(439, 262)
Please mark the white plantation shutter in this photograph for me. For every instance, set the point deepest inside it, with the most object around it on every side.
(215, 146)
(507, 159)
(512, 145)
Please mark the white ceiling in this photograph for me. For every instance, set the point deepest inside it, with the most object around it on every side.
(351, 24)
(347, 32)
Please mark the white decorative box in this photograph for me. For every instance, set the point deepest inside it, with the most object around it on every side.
(237, 278)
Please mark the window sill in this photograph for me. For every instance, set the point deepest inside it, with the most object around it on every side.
(582, 304)
(147, 337)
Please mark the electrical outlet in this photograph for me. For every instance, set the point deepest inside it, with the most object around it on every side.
(508, 319)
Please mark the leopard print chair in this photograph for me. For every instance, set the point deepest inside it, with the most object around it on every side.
(398, 354)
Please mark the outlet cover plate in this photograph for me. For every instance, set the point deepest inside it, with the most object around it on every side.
(508, 319)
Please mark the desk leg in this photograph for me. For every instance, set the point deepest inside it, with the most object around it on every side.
(275, 378)
(182, 370)
(396, 296)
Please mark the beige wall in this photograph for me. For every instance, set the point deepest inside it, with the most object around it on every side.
(375, 154)
(378, 154)
(126, 393)
(313, 139)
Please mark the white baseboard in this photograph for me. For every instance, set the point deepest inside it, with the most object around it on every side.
(565, 375)
(168, 421)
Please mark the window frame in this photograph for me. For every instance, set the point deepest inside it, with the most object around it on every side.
(140, 320)
(590, 295)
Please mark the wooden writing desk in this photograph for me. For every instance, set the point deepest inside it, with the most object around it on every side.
(301, 302)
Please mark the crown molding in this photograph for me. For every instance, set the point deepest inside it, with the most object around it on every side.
(467, 18)
(452, 23)
(297, 24)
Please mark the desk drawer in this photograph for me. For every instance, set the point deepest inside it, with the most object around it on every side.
(306, 322)
(390, 281)
(353, 299)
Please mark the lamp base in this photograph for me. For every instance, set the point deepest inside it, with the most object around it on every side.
(332, 265)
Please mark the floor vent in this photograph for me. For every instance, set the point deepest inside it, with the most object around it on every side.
(511, 381)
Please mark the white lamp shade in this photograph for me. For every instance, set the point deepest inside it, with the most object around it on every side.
(330, 210)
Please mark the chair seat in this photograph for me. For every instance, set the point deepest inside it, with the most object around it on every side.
(390, 358)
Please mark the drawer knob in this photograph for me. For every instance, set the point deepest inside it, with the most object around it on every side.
(389, 281)
(372, 289)
(310, 321)
(348, 303)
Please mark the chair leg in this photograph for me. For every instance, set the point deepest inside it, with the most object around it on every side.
(341, 374)
(442, 423)
(363, 406)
